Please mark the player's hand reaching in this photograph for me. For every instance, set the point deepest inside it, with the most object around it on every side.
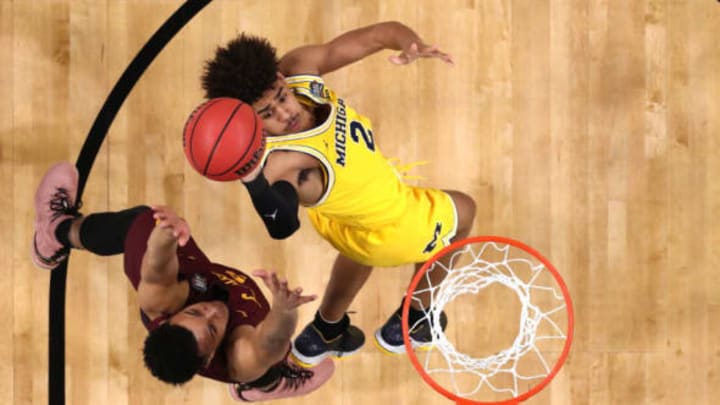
(415, 51)
(166, 218)
(283, 297)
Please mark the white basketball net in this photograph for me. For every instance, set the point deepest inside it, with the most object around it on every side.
(538, 321)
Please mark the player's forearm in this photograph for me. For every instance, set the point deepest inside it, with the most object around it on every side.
(276, 331)
(161, 257)
(394, 35)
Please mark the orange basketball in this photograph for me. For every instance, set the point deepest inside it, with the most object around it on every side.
(223, 139)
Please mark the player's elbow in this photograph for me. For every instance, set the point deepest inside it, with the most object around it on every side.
(284, 230)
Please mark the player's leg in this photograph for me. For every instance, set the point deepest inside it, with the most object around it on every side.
(104, 233)
(346, 280)
(330, 333)
(389, 337)
(465, 208)
(59, 226)
(101, 233)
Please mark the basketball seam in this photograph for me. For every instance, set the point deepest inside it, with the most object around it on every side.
(234, 167)
(219, 138)
(254, 160)
(204, 108)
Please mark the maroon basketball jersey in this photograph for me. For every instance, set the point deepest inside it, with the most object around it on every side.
(208, 282)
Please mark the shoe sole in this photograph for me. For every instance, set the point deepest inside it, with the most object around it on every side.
(39, 262)
(310, 362)
(389, 349)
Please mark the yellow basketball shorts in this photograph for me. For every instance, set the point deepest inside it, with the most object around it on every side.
(427, 225)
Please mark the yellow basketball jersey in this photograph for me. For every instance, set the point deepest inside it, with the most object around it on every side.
(363, 188)
(366, 212)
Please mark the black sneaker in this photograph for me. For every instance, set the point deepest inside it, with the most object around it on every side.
(310, 347)
(389, 337)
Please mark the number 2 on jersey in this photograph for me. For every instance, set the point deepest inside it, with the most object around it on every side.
(367, 135)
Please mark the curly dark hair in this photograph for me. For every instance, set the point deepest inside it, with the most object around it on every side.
(243, 69)
(171, 354)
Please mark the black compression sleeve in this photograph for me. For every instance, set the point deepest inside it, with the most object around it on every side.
(103, 233)
(276, 204)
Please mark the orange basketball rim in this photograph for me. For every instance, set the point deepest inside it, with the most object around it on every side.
(513, 371)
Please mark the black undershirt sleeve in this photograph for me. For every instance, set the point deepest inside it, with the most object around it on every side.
(277, 205)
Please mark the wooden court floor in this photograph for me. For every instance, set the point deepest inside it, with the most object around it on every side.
(589, 129)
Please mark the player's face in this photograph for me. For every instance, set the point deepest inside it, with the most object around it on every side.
(281, 111)
(207, 321)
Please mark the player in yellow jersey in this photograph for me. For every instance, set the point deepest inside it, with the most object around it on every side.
(322, 154)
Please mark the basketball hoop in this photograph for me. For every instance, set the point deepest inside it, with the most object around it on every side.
(544, 334)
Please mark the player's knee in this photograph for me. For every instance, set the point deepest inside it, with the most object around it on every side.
(466, 207)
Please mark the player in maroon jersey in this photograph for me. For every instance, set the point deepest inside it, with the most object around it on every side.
(203, 318)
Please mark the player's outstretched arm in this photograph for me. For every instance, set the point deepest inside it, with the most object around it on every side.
(159, 289)
(253, 350)
(357, 44)
(279, 325)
